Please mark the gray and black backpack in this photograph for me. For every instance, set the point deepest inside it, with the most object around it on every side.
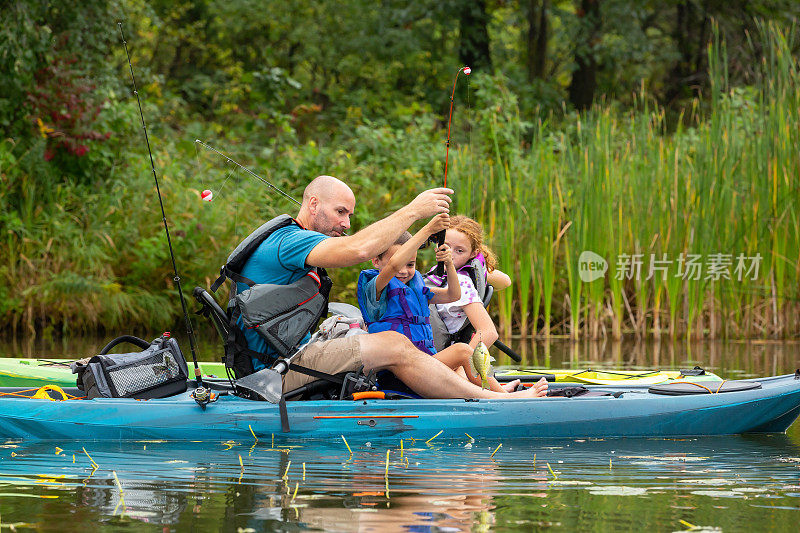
(281, 314)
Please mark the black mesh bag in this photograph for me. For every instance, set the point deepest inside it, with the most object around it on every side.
(158, 371)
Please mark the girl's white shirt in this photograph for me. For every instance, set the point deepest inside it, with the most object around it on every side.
(453, 314)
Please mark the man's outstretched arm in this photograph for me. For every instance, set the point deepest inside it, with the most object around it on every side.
(377, 237)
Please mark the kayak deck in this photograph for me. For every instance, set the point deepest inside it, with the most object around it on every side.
(37, 372)
(606, 377)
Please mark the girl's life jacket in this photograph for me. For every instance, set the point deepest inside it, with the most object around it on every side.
(476, 270)
(407, 309)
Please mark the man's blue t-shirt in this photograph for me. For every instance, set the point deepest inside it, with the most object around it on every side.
(281, 259)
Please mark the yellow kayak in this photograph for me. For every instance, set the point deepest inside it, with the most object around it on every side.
(606, 377)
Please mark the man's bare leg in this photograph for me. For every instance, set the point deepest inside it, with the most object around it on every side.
(425, 375)
(511, 386)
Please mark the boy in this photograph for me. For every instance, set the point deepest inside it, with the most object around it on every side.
(392, 296)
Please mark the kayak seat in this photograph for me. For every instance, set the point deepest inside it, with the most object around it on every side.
(319, 389)
(681, 388)
(237, 356)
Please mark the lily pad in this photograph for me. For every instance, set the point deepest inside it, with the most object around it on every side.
(614, 490)
(708, 481)
(718, 493)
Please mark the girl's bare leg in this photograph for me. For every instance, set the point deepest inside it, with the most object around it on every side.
(458, 356)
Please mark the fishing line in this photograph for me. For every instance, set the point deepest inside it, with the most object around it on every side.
(250, 172)
(218, 192)
(471, 209)
(200, 394)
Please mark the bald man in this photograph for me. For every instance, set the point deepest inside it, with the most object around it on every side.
(289, 253)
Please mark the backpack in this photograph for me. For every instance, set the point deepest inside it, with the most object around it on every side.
(158, 371)
(281, 314)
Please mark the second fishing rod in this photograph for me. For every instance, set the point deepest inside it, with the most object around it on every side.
(201, 394)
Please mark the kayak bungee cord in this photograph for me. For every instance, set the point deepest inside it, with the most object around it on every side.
(201, 394)
(438, 238)
(43, 393)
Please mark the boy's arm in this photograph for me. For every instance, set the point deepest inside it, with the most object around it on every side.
(453, 290)
(498, 279)
(372, 307)
(409, 250)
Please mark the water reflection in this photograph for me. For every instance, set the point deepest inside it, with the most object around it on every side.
(447, 486)
(730, 359)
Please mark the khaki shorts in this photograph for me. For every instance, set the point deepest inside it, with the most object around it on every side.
(333, 356)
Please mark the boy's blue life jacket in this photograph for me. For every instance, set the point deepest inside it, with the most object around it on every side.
(407, 309)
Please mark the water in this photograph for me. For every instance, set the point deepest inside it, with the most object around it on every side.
(731, 483)
(618, 484)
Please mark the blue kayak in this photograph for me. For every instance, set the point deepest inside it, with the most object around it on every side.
(767, 405)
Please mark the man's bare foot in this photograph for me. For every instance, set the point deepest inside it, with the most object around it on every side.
(537, 390)
(511, 386)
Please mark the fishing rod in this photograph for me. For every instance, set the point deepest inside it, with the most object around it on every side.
(256, 176)
(438, 238)
(467, 71)
(201, 394)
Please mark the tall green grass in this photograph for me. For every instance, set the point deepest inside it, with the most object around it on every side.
(719, 178)
(722, 181)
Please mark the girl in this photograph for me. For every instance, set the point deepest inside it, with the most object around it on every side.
(465, 239)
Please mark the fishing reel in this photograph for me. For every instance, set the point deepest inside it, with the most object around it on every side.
(203, 396)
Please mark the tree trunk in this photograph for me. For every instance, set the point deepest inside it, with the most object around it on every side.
(473, 48)
(584, 79)
(537, 38)
(691, 36)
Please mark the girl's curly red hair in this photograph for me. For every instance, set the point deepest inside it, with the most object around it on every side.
(474, 233)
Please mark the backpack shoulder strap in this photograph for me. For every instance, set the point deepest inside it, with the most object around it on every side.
(236, 260)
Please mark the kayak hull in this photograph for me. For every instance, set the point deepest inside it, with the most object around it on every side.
(635, 413)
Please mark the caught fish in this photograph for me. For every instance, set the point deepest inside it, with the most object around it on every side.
(481, 363)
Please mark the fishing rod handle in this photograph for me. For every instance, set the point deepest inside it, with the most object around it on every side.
(438, 238)
(508, 351)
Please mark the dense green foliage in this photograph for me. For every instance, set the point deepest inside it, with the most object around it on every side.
(682, 152)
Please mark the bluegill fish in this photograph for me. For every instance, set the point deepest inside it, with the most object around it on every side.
(481, 363)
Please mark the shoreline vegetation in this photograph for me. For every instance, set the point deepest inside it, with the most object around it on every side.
(82, 247)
